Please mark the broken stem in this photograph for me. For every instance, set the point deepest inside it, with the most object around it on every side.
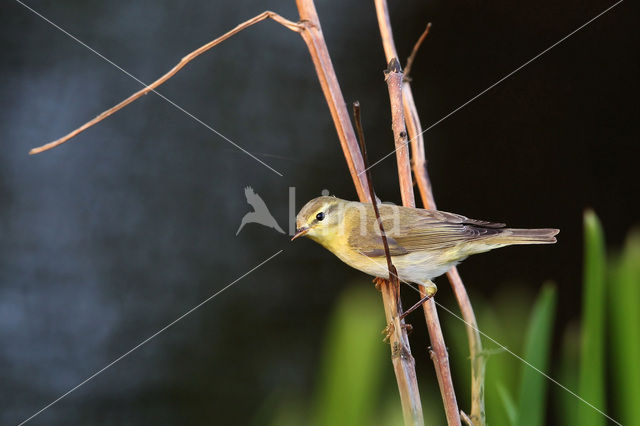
(414, 51)
(393, 274)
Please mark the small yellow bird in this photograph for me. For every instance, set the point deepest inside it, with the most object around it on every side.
(423, 244)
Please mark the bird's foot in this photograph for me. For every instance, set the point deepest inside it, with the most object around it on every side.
(378, 283)
(388, 331)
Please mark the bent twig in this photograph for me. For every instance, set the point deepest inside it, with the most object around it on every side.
(310, 30)
(184, 61)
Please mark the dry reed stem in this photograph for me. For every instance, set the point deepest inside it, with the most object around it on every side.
(439, 354)
(184, 61)
(414, 52)
(310, 30)
(467, 421)
(410, 413)
(312, 36)
(419, 163)
(403, 362)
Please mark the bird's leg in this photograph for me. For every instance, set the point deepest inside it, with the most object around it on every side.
(416, 306)
(389, 329)
(431, 291)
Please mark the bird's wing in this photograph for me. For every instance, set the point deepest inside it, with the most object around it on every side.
(419, 230)
(436, 230)
(372, 245)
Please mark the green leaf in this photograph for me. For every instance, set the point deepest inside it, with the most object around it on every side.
(353, 362)
(503, 320)
(592, 368)
(509, 404)
(624, 314)
(566, 404)
(533, 385)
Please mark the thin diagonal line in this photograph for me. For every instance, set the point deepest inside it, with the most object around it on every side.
(147, 339)
(530, 365)
(154, 91)
(503, 347)
(498, 82)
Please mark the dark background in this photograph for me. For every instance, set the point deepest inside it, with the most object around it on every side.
(108, 238)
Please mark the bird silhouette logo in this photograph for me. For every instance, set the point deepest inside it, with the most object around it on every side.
(260, 213)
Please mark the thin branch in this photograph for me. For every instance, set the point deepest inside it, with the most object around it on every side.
(313, 37)
(393, 273)
(439, 349)
(393, 77)
(410, 111)
(184, 61)
(310, 30)
(414, 51)
(465, 418)
(418, 160)
(478, 361)
(476, 353)
(403, 362)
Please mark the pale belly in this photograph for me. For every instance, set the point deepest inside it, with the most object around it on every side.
(413, 267)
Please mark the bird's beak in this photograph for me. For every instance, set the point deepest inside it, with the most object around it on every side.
(299, 233)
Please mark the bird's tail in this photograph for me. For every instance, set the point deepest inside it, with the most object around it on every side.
(526, 236)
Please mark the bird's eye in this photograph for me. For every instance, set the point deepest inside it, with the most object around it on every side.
(320, 216)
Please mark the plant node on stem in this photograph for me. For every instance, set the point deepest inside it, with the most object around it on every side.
(419, 164)
(393, 77)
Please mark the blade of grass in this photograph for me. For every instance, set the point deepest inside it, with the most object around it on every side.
(508, 402)
(565, 404)
(502, 317)
(592, 374)
(624, 314)
(353, 362)
(533, 386)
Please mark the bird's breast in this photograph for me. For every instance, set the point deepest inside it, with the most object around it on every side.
(416, 267)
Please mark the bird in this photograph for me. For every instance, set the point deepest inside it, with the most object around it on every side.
(423, 244)
(260, 213)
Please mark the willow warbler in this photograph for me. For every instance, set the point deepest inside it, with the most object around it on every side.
(423, 243)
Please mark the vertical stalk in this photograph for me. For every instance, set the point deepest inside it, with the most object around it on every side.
(438, 349)
(403, 362)
(313, 37)
(478, 362)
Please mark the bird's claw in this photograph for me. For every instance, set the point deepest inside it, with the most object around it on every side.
(378, 283)
(388, 331)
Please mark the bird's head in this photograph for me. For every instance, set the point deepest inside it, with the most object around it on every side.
(320, 219)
